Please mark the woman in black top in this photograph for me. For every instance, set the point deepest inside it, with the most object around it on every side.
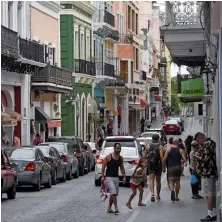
(188, 142)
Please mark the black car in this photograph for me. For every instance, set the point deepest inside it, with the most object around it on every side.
(78, 148)
(180, 121)
(55, 161)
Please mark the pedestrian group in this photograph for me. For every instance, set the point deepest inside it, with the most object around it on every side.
(171, 158)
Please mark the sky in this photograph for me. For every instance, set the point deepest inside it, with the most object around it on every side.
(175, 70)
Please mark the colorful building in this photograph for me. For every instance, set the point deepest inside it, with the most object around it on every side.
(77, 55)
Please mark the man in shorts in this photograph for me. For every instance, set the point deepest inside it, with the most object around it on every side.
(111, 164)
(207, 168)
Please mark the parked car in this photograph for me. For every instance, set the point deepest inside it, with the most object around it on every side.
(32, 167)
(78, 148)
(172, 126)
(160, 131)
(58, 170)
(144, 141)
(8, 176)
(69, 158)
(91, 156)
(129, 152)
(180, 120)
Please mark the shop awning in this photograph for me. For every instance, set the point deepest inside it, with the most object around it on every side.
(41, 116)
(9, 122)
(13, 114)
(54, 123)
(144, 103)
(157, 98)
(137, 107)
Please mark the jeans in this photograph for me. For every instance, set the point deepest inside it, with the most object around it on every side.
(196, 187)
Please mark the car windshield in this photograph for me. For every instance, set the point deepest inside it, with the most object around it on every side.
(23, 154)
(175, 118)
(171, 122)
(146, 140)
(148, 134)
(45, 150)
(123, 142)
(125, 152)
(60, 147)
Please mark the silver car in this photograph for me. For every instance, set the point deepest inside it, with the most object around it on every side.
(129, 151)
(32, 167)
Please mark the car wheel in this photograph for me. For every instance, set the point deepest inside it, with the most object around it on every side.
(69, 175)
(81, 170)
(76, 174)
(97, 183)
(93, 167)
(89, 167)
(54, 178)
(64, 176)
(49, 183)
(86, 171)
(37, 186)
(11, 194)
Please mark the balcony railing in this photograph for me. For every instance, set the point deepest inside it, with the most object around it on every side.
(9, 44)
(127, 39)
(182, 13)
(109, 70)
(53, 74)
(85, 67)
(109, 18)
(31, 50)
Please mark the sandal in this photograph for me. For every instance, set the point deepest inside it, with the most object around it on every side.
(141, 204)
(158, 198)
(177, 199)
(152, 199)
(116, 212)
(129, 206)
(110, 211)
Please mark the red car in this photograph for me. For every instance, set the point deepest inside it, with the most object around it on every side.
(9, 176)
(172, 126)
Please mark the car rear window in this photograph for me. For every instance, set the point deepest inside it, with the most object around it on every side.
(125, 152)
(71, 141)
(23, 154)
(123, 142)
(171, 122)
(45, 150)
(149, 134)
(60, 148)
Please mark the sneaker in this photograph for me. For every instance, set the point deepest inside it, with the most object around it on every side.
(208, 218)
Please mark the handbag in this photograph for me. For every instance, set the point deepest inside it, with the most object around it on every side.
(104, 193)
(193, 179)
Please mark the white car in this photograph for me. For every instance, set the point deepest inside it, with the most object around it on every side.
(130, 151)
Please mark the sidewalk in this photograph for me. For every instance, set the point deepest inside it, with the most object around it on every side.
(186, 210)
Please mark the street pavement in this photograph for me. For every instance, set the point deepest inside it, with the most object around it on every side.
(78, 200)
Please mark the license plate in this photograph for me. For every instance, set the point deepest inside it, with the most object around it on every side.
(171, 127)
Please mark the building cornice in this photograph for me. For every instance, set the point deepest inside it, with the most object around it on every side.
(85, 6)
(54, 6)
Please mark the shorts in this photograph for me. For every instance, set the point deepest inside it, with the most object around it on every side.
(209, 186)
(112, 184)
(135, 186)
(156, 172)
(174, 171)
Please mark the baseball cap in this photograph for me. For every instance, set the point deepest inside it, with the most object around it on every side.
(194, 143)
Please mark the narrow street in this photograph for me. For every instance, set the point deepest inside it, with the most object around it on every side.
(78, 200)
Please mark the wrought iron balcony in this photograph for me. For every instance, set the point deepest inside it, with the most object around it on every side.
(127, 39)
(182, 13)
(53, 74)
(9, 44)
(109, 70)
(31, 50)
(109, 18)
(85, 67)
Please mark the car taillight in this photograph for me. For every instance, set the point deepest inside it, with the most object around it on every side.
(134, 162)
(64, 158)
(30, 167)
(178, 126)
(99, 161)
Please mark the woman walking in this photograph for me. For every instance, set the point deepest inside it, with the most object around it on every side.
(138, 181)
(173, 157)
(188, 142)
(182, 146)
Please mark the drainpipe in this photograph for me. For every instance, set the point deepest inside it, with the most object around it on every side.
(102, 61)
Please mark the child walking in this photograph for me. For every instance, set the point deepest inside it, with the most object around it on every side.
(138, 181)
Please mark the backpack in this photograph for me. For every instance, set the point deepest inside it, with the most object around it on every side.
(154, 156)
